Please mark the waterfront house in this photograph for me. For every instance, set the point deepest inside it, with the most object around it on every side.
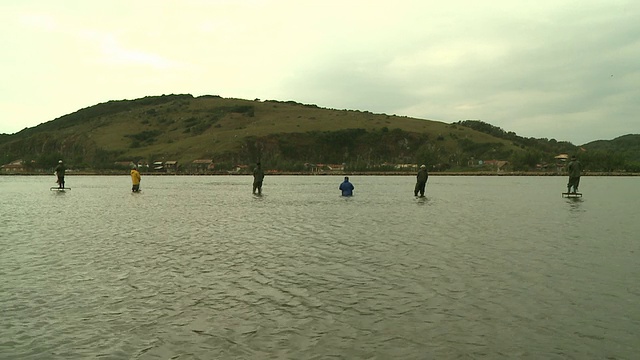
(14, 166)
(171, 166)
(202, 165)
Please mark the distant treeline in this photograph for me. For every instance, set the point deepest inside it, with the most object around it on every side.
(173, 118)
(359, 149)
(620, 154)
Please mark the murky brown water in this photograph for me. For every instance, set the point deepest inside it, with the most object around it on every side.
(198, 268)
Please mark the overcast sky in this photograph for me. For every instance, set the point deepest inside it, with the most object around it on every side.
(568, 70)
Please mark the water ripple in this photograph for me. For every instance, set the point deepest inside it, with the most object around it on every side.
(197, 267)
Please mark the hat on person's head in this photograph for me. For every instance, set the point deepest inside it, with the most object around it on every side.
(423, 166)
(59, 161)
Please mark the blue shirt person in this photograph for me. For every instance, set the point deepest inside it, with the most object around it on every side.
(346, 187)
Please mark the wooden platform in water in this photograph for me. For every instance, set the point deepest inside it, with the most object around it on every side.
(571, 195)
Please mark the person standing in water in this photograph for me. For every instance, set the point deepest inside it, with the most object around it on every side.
(258, 176)
(421, 183)
(59, 171)
(135, 178)
(575, 169)
(346, 187)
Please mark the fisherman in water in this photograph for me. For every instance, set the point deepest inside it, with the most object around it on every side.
(258, 176)
(59, 172)
(135, 178)
(421, 182)
(575, 170)
(346, 187)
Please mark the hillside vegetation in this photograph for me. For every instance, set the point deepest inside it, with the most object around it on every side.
(283, 135)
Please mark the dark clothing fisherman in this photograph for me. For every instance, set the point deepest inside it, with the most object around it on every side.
(346, 187)
(59, 172)
(258, 176)
(575, 169)
(421, 182)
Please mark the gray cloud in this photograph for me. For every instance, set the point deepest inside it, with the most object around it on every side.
(570, 77)
(565, 70)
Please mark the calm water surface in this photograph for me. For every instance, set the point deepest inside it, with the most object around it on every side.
(199, 268)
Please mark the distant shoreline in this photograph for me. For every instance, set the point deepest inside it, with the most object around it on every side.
(354, 173)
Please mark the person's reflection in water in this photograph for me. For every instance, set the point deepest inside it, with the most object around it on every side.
(575, 204)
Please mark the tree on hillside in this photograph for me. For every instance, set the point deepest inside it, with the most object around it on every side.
(526, 160)
(602, 161)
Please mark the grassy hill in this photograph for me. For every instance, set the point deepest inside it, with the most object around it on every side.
(620, 153)
(626, 144)
(283, 135)
(184, 128)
